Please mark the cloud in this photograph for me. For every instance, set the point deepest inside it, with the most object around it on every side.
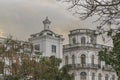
(21, 18)
(24, 17)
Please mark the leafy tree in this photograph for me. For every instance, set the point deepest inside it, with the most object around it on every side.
(51, 70)
(54, 72)
(112, 57)
(1, 67)
(64, 73)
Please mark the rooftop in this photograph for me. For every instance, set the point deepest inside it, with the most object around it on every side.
(77, 31)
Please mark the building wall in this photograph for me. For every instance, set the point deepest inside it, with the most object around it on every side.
(46, 46)
(89, 71)
(78, 38)
(57, 43)
(89, 76)
(89, 48)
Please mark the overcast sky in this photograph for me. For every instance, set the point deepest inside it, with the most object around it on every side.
(21, 18)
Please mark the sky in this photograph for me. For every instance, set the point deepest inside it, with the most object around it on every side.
(21, 18)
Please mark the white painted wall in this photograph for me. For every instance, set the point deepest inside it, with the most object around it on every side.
(46, 43)
(88, 54)
(78, 38)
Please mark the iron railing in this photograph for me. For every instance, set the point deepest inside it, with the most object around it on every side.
(87, 45)
(85, 66)
(91, 66)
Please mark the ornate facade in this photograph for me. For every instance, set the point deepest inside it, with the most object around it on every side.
(47, 42)
(82, 55)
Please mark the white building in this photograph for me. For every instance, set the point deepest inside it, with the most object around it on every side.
(11, 52)
(47, 42)
(82, 55)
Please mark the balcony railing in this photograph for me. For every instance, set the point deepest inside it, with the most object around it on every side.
(84, 66)
(90, 66)
(89, 45)
(107, 68)
(82, 31)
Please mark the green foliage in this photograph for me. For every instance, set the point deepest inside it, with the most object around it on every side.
(53, 71)
(10, 77)
(1, 67)
(112, 57)
(64, 73)
(38, 53)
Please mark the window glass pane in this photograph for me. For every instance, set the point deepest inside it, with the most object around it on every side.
(93, 76)
(113, 77)
(66, 60)
(1, 67)
(99, 63)
(73, 59)
(83, 40)
(83, 76)
(99, 76)
(92, 59)
(73, 76)
(83, 59)
(53, 48)
(37, 47)
(74, 40)
(106, 77)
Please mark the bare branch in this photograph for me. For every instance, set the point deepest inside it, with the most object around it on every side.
(106, 10)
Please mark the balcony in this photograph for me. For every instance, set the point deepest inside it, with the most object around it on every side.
(87, 45)
(107, 68)
(91, 66)
(84, 66)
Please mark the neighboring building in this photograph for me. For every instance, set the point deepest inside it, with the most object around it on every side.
(15, 49)
(82, 55)
(2, 40)
(47, 42)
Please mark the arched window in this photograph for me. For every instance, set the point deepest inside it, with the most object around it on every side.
(93, 76)
(83, 40)
(99, 76)
(113, 77)
(73, 59)
(83, 76)
(99, 63)
(106, 77)
(66, 60)
(73, 76)
(92, 60)
(83, 59)
(74, 40)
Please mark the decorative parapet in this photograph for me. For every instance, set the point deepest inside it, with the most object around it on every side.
(84, 66)
(88, 45)
(82, 31)
(90, 66)
(47, 33)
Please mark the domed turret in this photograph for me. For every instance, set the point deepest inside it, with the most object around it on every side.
(46, 23)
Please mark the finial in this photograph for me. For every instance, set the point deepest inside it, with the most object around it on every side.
(46, 23)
